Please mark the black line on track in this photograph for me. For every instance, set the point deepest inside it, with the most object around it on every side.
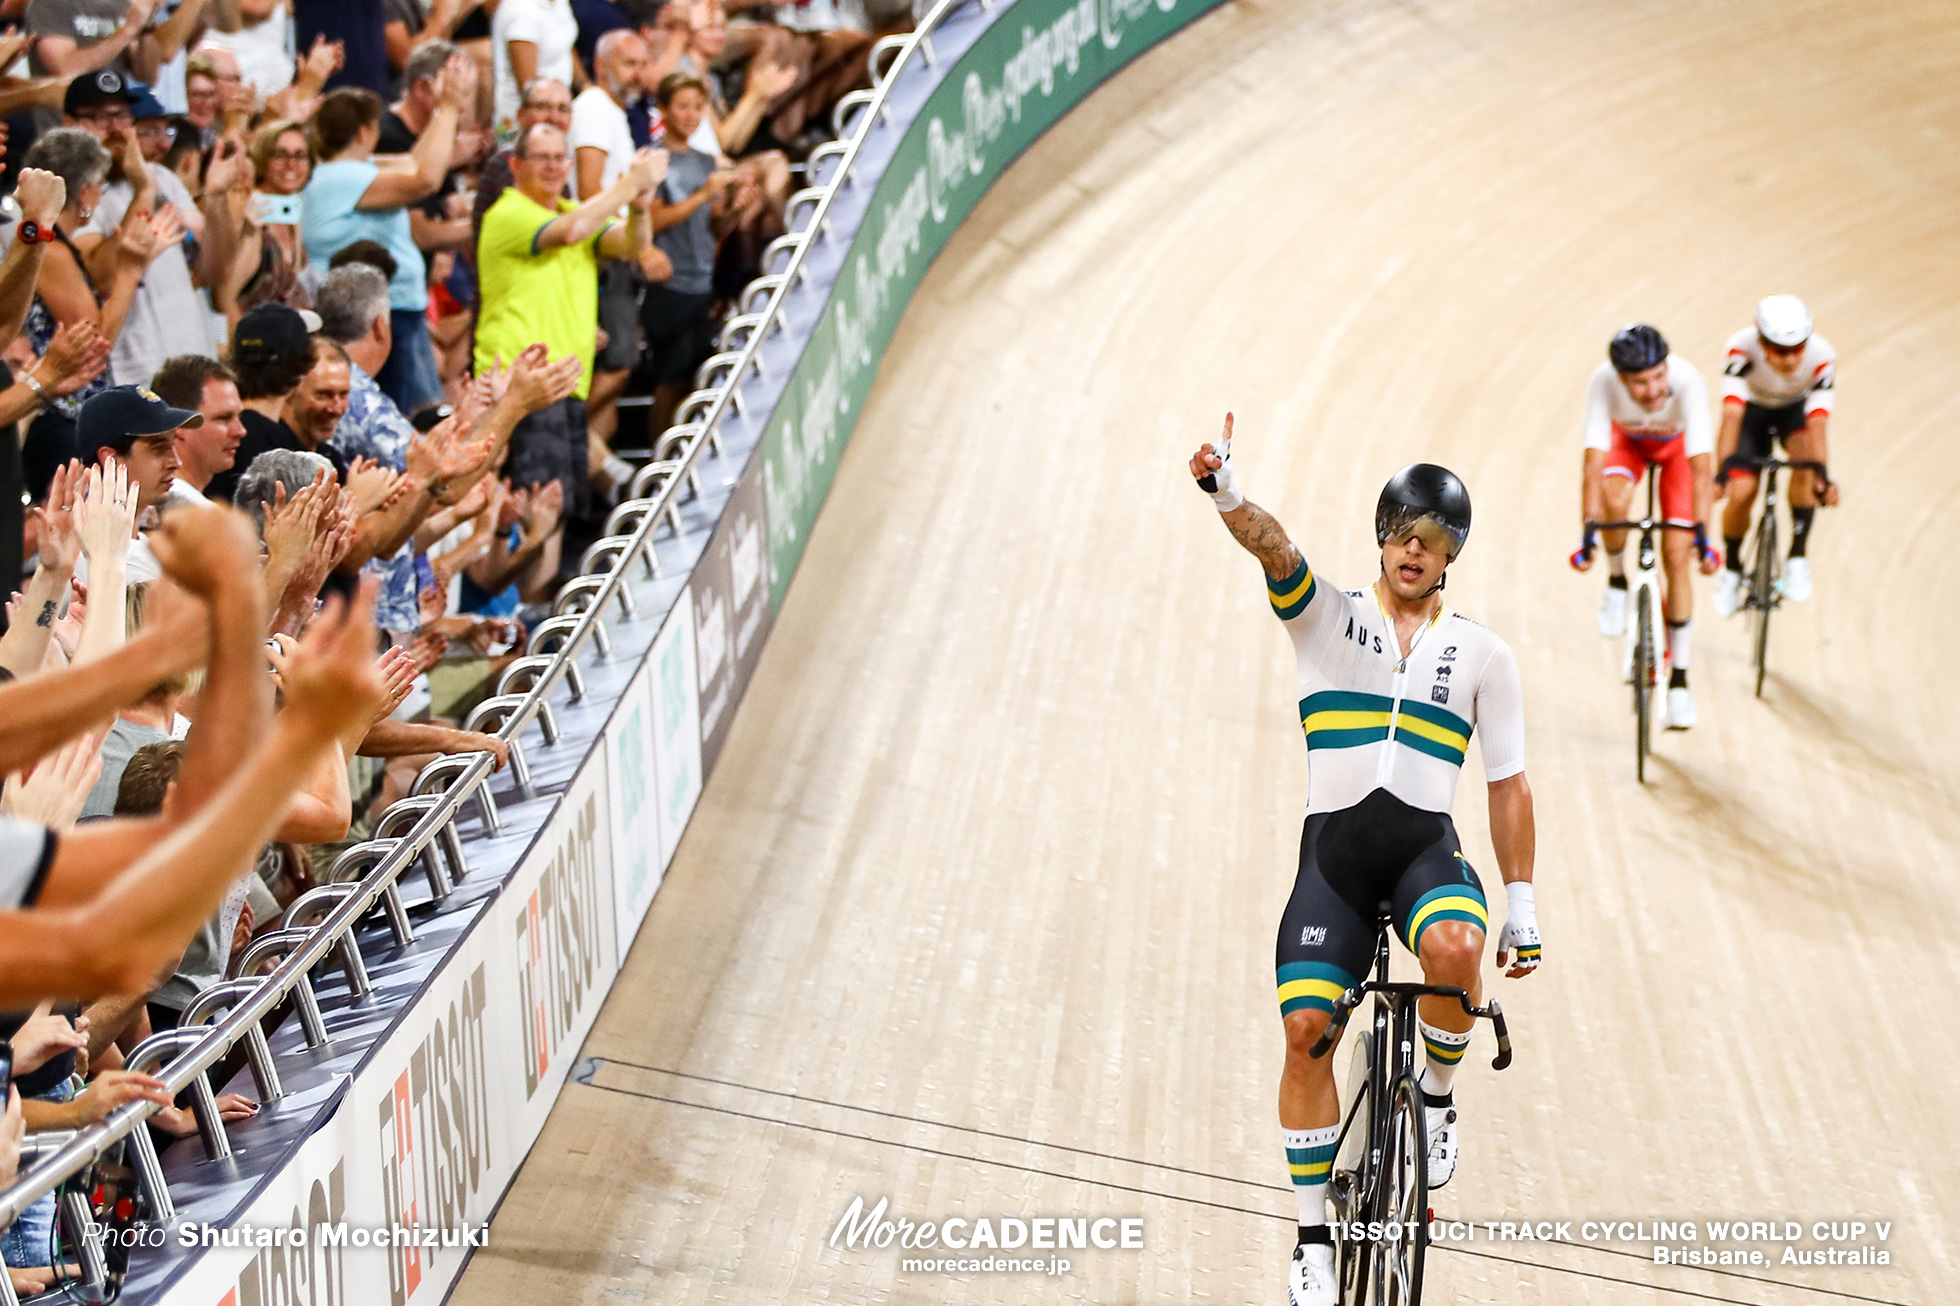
(596, 1062)
(937, 1124)
(586, 1080)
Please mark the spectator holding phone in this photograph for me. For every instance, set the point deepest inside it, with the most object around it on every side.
(271, 266)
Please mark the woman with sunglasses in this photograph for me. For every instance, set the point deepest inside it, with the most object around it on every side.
(271, 265)
(1777, 386)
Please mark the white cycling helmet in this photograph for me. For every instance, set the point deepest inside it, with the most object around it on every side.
(1783, 320)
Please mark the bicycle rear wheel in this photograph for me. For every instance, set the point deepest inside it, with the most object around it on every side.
(1762, 596)
(1643, 682)
(1403, 1198)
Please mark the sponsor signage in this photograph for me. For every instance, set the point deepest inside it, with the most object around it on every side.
(731, 610)
(637, 864)
(670, 666)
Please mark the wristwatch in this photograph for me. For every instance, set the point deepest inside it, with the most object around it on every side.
(31, 231)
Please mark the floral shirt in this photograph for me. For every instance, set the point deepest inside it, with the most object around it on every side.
(374, 428)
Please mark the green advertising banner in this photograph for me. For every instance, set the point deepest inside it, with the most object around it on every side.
(1036, 61)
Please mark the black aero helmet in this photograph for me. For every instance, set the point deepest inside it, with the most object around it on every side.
(1637, 347)
(1419, 492)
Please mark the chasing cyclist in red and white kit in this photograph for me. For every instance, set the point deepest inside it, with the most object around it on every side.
(1646, 406)
(1777, 385)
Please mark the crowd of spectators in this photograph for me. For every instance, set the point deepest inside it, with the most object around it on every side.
(317, 317)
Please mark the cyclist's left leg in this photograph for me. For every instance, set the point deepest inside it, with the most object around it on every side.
(1678, 560)
(1441, 916)
(1802, 443)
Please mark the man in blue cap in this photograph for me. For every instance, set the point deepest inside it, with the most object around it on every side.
(166, 318)
(131, 425)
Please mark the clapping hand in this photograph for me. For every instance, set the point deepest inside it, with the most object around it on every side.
(76, 356)
(648, 169)
(61, 545)
(53, 792)
(769, 80)
(370, 483)
(105, 513)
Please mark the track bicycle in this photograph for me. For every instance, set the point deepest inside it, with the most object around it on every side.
(1646, 620)
(1380, 1174)
(1762, 591)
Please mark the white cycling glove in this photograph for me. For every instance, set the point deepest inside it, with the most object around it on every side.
(1224, 494)
(1519, 941)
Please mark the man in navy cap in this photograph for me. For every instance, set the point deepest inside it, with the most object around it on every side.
(131, 425)
(166, 317)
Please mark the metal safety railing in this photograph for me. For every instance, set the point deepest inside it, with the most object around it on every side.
(420, 830)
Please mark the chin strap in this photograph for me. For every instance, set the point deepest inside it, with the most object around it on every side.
(1441, 580)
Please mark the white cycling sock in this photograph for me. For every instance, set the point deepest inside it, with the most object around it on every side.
(1310, 1159)
(1616, 564)
(1678, 643)
(1445, 1048)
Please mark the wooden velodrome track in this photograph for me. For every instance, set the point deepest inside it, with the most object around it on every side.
(977, 912)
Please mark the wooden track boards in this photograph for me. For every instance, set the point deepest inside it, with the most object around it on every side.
(991, 866)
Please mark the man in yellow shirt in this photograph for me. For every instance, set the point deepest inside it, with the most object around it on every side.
(537, 260)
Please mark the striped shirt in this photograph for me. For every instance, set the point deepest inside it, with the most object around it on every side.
(1376, 720)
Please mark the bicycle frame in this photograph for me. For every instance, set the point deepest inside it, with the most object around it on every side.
(1763, 591)
(1391, 1057)
(1648, 618)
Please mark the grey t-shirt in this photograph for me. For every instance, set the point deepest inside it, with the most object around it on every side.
(85, 22)
(26, 853)
(118, 746)
(168, 317)
(209, 951)
(691, 245)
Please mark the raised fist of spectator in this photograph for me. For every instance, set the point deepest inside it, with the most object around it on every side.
(208, 551)
(330, 678)
(41, 195)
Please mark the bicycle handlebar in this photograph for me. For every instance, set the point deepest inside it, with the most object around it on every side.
(1345, 1004)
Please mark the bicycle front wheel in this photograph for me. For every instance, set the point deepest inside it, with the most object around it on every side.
(1348, 1185)
(1404, 1198)
(1762, 585)
(1643, 684)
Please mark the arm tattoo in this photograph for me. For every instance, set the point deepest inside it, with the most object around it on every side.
(1264, 538)
(47, 614)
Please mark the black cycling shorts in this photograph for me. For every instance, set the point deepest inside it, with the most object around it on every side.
(1352, 862)
(1763, 429)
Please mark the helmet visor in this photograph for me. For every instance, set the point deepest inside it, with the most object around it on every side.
(1396, 524)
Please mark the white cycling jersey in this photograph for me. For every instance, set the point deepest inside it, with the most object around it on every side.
(1610, 408)
(1376, 720)
(1747, 376)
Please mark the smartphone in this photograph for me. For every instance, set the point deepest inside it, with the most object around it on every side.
(276, 208)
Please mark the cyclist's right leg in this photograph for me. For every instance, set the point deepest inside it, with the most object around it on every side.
(1618, 476)
(1753, 443)
(1324, 948)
